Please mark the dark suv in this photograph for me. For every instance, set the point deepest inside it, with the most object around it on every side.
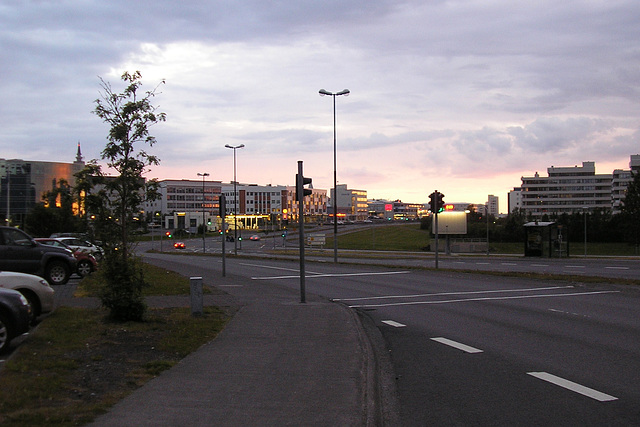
(19, 252)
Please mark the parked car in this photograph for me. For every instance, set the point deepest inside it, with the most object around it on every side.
(34, 288)
(15, 315)
(19, 252)
(86, 262)
(82, 245)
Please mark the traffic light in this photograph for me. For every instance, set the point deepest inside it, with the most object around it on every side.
(302, 192)
(440, 197)
(222, 201)
(168, 234)
(436, 202)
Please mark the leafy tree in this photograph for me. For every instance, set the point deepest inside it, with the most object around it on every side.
(114, 201)
(631, 208)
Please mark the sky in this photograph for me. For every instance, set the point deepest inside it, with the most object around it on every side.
(463, 97)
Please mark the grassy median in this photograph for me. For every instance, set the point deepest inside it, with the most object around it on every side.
(76, 364)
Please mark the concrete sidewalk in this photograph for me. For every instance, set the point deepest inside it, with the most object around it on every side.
(278, 362)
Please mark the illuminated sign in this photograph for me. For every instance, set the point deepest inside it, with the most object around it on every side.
(388, 207)
(449, 207)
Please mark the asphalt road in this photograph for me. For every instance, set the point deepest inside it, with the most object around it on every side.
(482, 350)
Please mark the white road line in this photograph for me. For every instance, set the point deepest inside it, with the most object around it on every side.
(394, 324)
(482, 263)
(617, 268)
(574, 266)
(539, 265)
(459, 346)
(575, 387)
(314, 275)
(508, 263)
(454, 293)
(482, 299)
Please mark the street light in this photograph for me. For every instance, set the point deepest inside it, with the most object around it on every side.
(235, 198)
(204, 249)
(344, 92)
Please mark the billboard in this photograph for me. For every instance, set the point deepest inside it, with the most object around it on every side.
(450, 222)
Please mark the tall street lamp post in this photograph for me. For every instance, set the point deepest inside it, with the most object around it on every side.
(334, 202)
(204, 224)
(235, 198)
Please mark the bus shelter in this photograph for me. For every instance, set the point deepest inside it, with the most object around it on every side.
(545, 239)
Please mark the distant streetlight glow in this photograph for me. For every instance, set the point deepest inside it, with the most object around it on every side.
(344, 92)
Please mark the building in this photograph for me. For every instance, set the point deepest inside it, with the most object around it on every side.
(186, 204)
(621, 180)
(395, 210)
(315, 206)
(24, 182)
(574, 189)
(493, 205)
(515, 199)
(352, 204)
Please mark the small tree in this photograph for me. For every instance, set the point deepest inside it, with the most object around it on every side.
(631, 208)
(118, 199)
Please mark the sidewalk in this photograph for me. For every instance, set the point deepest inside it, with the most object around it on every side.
(278, 362)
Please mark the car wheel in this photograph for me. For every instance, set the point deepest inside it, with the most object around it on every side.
(57, 273)
(5, 333)
(84, 268)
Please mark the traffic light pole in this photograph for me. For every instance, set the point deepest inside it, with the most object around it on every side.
(436, 233)
(222, 205)
(300, 197)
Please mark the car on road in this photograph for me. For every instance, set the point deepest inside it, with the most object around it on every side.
(82, 245)
(87, 264)
(179, 245)
(254, 237)
(15, 316)
(19, 252)
(34, 288)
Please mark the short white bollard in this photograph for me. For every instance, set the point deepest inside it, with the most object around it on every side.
(196, 296)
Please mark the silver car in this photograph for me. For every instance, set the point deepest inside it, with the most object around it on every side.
(81, 245)
(34, 288)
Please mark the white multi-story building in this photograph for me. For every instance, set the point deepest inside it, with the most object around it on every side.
(493, 205)
(621, 180)
(574, 189)
(187, 203)
(515, 199)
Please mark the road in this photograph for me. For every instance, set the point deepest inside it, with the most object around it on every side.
(473, 349)
(610, 267)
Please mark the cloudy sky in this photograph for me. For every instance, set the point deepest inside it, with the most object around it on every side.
(460, 96)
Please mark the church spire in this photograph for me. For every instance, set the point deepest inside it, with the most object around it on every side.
(79, 154)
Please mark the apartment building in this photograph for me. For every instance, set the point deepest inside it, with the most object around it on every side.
(573, 189)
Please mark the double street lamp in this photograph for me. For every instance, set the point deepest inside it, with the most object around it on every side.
(334, 202)
(204, 223)
(235, 198)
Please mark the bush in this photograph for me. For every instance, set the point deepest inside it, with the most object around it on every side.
(121, 293)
